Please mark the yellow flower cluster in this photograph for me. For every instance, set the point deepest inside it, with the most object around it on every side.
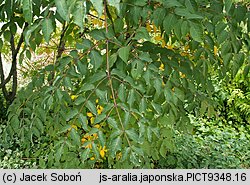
(88, 137)
(99, 111)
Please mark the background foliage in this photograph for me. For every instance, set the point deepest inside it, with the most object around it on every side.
(118, 79)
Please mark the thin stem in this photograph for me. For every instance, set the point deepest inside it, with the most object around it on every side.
(109, 76)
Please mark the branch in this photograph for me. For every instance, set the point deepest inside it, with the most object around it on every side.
(14, 51)
(61, 46)
(109, 74)
(96, 17)
(60, 50)
(3, 87)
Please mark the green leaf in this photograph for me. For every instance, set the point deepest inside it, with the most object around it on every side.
(95, 150)
(116, 144)
(168, 23)
(112, 59)
(101, 138)
(97, 34)
(185, 13)
(196, 31)
(67, 82)
(84, 121)
(100, 118)
(112, 122)
(91, 107)
(115, 3)
(158, 87)
(85, 154)
(39, 124)
(132, 134)
(98, 5)
(9, 8)
(95, 59)
(36, 132)
(27, 10)
(62, 9)
(134, 159)
(139, 2)
(47, 28)
(79, 100)
(97, 76)
(124, 53)
(101, 94)
(127, 117)
(184, 28)
(71, 114)
(79, 14)
(131, 97)
(125, 153)
(59, 152)
(228, 5)
(75, 136)
(171, 3)
(122, 93)
(14, 122)
(138, 151)
(30, 30)
(142, 33)
(143, 105)
(87, 87)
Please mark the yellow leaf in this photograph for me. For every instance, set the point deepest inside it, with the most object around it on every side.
(119, 156)
(97, 126)
(161, 67)
(87, 136)
(90, 115)
(103, 151)
(99, 109)
(215, 50)
(158, 38)
(100, 23)
(148, 27)
(95, 21)
(83, 140)
(74, 126)
(163, 44)
(163, 84)
(89, 146)
(95, 135)
(92, 120)
(184, 54)
(155, 28)
(170, 47)
(186, 47)
(182, 75)
(73, 97)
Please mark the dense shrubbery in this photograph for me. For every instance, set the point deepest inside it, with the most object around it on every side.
(214, 145)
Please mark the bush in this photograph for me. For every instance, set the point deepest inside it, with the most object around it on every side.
(213, 145)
